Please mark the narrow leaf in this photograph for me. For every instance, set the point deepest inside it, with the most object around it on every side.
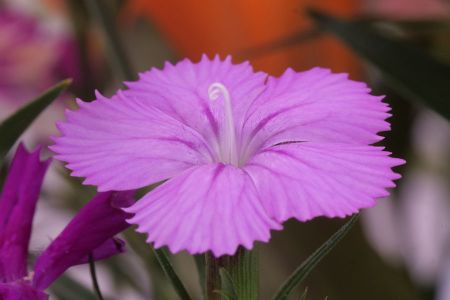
(163, 259)
(242, 268)
(414, 74)
(162, 289)
(67, 288)
(200, 261)
(227, 285)
(309, 264)
(223, 295)
(13, 127)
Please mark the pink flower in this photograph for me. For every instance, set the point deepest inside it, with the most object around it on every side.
(242, 151)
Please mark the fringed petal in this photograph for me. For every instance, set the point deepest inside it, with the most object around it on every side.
(208, 208)
(308, 180)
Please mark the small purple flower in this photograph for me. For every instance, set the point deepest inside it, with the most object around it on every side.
(90, 232)
(32, 58)
(242, 151)
(24, 72)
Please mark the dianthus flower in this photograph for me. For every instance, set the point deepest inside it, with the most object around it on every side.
(242, 151)
(90, 232)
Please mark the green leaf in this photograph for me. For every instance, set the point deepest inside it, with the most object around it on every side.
(414, 74)
(309, 264)
(243, 270)
(13, 127)
(224, 296)
(163, 259)
(66, 288)
(162, 288)
(200, 262)
(227, 285)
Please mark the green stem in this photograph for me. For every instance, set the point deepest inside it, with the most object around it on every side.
(243, 268)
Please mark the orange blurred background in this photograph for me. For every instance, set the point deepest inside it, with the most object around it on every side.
(230, 27)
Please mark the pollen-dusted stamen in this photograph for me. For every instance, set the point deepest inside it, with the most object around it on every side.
(228, 146)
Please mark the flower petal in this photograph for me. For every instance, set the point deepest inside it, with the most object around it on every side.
(17, 206)
(124, 143)
(20, 290)
(109, 248)
(181, 91)
(96, 223)
(208, 208)
(307, 180)
(163, 124)
(317, 106)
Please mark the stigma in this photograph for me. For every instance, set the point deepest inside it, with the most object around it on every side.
(227, 144)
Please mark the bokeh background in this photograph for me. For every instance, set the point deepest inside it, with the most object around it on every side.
(400, 250)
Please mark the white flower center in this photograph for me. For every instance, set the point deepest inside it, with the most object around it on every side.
(228, 146)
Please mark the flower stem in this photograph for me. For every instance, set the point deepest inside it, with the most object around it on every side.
(95, 284)
(243, 269)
